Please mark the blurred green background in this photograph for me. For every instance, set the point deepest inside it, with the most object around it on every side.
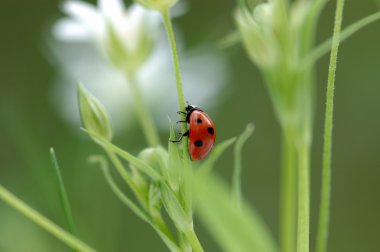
(29, 126)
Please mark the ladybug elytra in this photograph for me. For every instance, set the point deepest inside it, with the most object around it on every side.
(201, 132)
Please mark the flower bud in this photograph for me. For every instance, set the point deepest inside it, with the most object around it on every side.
(93, 114)
(160, 5)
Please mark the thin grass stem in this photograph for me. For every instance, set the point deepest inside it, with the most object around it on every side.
(43, 222)
(324, 211)
(236, 176)
(63, 194)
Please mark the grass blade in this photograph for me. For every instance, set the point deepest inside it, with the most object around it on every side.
(138, 163)
(218, 150)
(63, 194)
(43, 222)
(236, 177)
(166, 237)
(347, 32)
(234, 228)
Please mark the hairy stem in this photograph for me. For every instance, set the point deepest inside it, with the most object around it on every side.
(288, 198)
(43, 222)
(143, 113)
(177, 71)
(326, 169)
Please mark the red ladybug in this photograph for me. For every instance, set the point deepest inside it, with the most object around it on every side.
(201, 132)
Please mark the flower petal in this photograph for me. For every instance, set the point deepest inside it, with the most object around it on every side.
(71, 31)
(87, 15)
(111, 8)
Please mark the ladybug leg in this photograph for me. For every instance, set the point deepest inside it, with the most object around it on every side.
(180, 139)
(181, 112)
(181, 121)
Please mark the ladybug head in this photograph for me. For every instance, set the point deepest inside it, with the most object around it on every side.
(189, 109)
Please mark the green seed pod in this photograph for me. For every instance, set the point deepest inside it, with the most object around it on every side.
(93, 114)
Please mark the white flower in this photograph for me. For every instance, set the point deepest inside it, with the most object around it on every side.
(125, 37)
(204, 72)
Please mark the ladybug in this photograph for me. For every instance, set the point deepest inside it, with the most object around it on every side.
(201, 132)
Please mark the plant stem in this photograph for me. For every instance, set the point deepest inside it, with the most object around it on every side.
(126, 176)
(63, 194)
(322, 234)
(303, 199)
(143, 113)
(288, 197)
(177, 71)
(193, 240)
(43, 222)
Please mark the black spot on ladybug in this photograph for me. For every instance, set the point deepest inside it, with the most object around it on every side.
(198, 120)
(198, 143)
(210, 130)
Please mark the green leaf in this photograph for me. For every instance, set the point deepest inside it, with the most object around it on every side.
(175, 164)
(161, 231)
(138, 163)
(234, 228)
(236, 184)
(218, 150)
(347, 32)
(174, 208)
(123, 198)
(93, 115)
(229, 40)
(154, 199)
(63, 194)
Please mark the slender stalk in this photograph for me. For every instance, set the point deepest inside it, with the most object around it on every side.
(63, 194)
(288, 198)
(193, 240)
(322, 234)
(177, 71)
(346, 33)
(303, 224)
(158, 224)
(43, 222)
(143, 113)
(190, 234)
(126, 176)
(236, 176)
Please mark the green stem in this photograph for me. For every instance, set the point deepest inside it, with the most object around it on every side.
(303, 224)
(158, 224)
(143, 113)
(193, 240)
(288, 198)
(322, 234)
(190, 234)
(43, 222)
(177, 71)
(63, 194)
(127, 177)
